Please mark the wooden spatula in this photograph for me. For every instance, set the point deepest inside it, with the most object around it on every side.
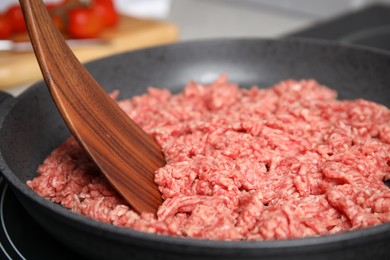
(126, 155)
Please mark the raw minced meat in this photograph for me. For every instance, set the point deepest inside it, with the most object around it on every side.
(284, 162)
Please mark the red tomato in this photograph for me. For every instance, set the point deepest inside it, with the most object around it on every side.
(5, 27)
(105, 9)
(15, 16)
(83, 23)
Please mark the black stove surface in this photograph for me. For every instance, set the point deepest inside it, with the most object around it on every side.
(22, 238)
(368, 27)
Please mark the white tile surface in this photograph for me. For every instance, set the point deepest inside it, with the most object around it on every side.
(209, 19)
(254, 18)
(315, 8)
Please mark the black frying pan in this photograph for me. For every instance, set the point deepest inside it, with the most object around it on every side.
(30, 128)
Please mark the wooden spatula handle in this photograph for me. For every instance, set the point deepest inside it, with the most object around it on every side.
(126, 155)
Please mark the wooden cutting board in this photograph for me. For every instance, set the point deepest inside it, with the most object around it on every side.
(131, 33)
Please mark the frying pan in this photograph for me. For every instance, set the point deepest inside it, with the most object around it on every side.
(30, 128)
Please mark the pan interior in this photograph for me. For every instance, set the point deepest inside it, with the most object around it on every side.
(33, 127)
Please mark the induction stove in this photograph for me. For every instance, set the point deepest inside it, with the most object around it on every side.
(22, 238)
(367, 27)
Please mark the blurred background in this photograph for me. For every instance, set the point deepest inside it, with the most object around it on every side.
(236, 18)
(364, 22)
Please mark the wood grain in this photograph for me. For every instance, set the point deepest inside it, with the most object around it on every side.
(126, 155)
(131, 33)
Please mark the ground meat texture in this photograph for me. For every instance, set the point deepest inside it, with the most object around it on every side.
(284, 162)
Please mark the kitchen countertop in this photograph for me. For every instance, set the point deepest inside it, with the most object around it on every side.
(200, 19)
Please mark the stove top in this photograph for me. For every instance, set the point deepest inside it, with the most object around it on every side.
(22, 238)
(368, 27)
